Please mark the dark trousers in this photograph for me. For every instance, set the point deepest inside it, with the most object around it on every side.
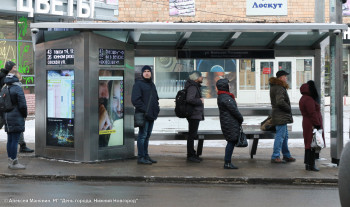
(193, 125)
(12, 144)
(228, 151)
(309, 158)
(143, 139)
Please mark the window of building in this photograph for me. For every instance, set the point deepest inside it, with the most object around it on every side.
(246, 74)
(304, 71)
(287, 66)
(266, 72)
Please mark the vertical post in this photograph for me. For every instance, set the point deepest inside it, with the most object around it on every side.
(336, 94)
(319, 11)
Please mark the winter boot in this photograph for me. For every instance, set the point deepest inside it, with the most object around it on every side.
(16, 166)
(9, 162)
(24, 149)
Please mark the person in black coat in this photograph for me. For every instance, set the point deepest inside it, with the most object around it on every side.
(145, 99)
(194, 97)
(15, 119)
(230, 119)
(9, 65)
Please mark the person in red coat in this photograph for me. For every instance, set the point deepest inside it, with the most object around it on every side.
(309, 105)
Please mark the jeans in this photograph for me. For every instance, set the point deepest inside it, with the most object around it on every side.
(12, 144)
(281, 142)
(228, 151)
(143, 139)
(193, 125)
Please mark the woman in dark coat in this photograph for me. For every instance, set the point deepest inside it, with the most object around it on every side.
(230, 119)
(309, 105)
(14, 120)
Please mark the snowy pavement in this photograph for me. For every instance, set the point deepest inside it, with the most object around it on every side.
(173, 124)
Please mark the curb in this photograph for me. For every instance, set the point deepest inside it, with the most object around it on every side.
(180, 180)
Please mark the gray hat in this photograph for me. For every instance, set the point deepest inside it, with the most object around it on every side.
(194, 75)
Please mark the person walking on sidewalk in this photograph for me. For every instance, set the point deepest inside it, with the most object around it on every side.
(9, 65)
(309, 106)
(281, 116)
(145, 99)
(194, 97)
(15, 119)
(230, 119)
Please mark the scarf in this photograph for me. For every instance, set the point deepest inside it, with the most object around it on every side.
(225, 92)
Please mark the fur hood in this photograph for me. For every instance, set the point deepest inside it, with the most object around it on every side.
(276, 81)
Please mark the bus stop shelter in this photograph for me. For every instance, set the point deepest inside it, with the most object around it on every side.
(92, 41)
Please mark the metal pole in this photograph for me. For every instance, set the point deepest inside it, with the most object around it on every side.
(336, 94)
(319, 11)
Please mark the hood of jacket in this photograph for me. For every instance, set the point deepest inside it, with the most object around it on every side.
(222, 85)
(11, 79)
(276, 81)
(304, 89)
(191, 83)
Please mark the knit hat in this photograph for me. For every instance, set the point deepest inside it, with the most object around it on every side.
(9, 65)
(146, 67)
(194, 75)
(281, 73)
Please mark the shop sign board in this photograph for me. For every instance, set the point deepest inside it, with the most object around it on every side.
(267, 8)
(266, 70)
(54, 7)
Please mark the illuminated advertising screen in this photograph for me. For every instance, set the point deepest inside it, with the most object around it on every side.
(111, 108)
(60, 108)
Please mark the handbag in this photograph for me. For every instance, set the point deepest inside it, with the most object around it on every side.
(140, 117)
(317, 142)
(242, 139)
(267, 125)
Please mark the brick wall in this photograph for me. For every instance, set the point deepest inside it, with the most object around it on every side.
(214, 11)
(30, 98)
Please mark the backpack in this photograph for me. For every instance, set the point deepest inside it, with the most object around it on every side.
(182, 108)
(5, 100)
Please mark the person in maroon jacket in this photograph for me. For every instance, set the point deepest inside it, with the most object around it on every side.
(309, 105)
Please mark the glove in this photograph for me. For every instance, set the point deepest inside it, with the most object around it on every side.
(317, 127)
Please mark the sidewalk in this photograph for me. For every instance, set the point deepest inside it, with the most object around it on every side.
(172, 167)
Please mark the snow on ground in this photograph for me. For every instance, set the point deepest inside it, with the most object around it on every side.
(173, 124)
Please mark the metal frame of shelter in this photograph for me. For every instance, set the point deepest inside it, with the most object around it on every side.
(285, 39)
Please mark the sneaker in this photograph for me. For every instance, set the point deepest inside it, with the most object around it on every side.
(144, 161)
(289, 159)
(278, 160)
(150, 159)
(193, 159)
(230, 166)
(16, 165)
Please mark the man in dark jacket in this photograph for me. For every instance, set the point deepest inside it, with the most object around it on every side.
(9, 65)
(194, 97)
(281, 116)
(145, 99)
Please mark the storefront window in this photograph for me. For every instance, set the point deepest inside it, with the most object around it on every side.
(247, 75)
(266, 72)
(24, 29)
(213, 70)
(304, 71)
(287, 66)
(8, 27)
(8, 51)
(171, 75)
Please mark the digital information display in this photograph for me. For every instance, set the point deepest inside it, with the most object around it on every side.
(60, 57)
(111, 57)
(111, 108)
(60, 108)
